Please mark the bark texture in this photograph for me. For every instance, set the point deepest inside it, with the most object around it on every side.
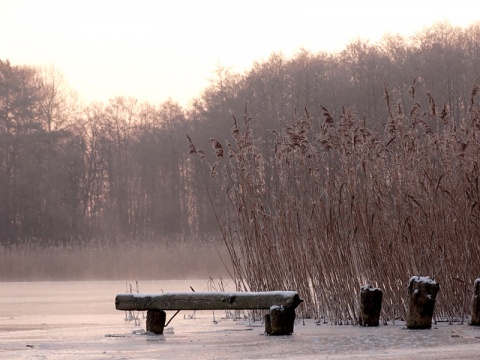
(370, 305)
(422, 293)
(156, 321)
(208, 300)
(476, 303)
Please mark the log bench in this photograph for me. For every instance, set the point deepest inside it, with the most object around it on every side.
(279, 321)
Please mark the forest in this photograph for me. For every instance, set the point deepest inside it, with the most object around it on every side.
(284, 136)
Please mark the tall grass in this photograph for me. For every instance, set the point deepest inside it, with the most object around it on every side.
(337, 204)
(36, 260)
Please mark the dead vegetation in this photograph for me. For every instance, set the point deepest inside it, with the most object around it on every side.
(103, 259)
(338, 203)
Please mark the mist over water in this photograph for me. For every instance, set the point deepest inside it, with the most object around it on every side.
(109, 261)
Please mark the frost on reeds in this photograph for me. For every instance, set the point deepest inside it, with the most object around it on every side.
(337, 204)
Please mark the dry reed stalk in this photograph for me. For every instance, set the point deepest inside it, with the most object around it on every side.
(337, 205)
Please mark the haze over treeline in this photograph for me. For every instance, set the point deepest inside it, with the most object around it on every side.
(71, 172)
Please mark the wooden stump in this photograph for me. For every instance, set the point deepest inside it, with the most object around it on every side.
(156, 321)
(370, 305)
(422, 292)
(289, 320)
(281, 320)
(268, 324)
(276, 320)
(476, 303)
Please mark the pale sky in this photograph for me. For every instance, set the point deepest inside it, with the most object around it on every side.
(153, 50)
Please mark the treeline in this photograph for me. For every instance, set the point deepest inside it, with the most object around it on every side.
(122, 169)
(115, 170)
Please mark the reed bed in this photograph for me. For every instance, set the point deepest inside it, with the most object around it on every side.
(337, 204)
(102, 259)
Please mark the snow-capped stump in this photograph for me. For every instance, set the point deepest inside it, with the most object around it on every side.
(280, 320)
(422, 292)
(476, 303)
(370, 305)
(277, 314)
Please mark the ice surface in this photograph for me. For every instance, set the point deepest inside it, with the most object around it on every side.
(78, 320)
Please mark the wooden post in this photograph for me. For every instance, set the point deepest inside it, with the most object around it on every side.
(268, 324)
(475, 320)
(276, 320)
(289, 320)
(156, 321)
(422, 292)
(370, 305)
(282, 320)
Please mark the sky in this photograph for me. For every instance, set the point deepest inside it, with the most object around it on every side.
(154, 50)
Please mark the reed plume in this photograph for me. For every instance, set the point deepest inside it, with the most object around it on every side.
(335, 205)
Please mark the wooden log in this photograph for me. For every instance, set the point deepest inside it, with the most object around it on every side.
(208, 300)
(422, 292)
(156, 321)
(475, 320)
(370, 305)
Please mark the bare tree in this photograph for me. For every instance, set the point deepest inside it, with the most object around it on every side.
(58, 103)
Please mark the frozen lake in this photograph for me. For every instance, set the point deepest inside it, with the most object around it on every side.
(65, 320)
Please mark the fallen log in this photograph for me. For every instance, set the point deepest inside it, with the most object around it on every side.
(208, 300)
